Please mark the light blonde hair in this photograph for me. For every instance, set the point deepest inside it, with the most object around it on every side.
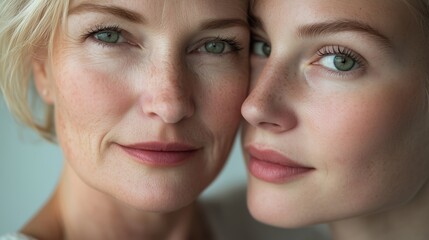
(25, 27)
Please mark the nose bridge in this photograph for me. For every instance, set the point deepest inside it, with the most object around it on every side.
(170, 90)
(167, 73)
(271, 85)
(269, 104)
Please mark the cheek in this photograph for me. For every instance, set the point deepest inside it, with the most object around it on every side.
(222, 88)
(354, 125)
(89, 101)
(362, 142)
(223, 108)
(365, 121)
(87, 93)
(220, 100)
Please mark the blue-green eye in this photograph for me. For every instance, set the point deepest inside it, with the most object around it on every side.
(339, 62)
(105, 35)
(219, 46)
(108, 36)
(339, 59)
(261, 48)
(215, 47)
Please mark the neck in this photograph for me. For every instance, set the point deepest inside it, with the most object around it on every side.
(408, 220)
(85, 213)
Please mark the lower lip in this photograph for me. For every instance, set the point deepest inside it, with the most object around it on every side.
(273, 172)
(160, 158)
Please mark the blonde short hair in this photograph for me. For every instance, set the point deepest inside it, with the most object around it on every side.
(25, 27)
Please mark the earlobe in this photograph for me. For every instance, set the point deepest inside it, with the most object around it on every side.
(42, 80)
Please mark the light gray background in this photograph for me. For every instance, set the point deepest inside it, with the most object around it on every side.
(30, 167)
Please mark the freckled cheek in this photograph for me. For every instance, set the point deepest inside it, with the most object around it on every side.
(90, 98)
(222, 100)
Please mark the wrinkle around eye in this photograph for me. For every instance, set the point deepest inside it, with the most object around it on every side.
(109, 34)
(230, 45)
(122, 40)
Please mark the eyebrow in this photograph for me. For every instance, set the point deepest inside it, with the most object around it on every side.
(256, 22)
(312, 30)
(324, 28)
(113, 10)
(137, 18)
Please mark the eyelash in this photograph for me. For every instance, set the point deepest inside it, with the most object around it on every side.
(232, 42)
(339, 50)
(100, 28)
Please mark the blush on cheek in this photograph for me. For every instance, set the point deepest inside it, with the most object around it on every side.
(91, 92)
(364, 123)
(362, 142)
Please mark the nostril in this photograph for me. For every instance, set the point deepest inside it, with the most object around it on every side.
(269, 125)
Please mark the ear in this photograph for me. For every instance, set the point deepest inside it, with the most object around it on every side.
(43, 79)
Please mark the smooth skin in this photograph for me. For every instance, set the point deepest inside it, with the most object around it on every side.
(340, 87)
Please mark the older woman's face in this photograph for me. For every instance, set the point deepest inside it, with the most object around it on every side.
(147, 95)
(337, 111)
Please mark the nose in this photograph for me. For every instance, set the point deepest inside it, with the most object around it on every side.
(268, 105)
(169, 96)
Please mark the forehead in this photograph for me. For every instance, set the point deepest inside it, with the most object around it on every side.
(392, 18)
(162, 9)
(314, 9)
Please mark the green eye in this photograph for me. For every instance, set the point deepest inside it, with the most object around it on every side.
(339, 62)
(344, 63)
(215, 47)
(261, 49)
(108, 36)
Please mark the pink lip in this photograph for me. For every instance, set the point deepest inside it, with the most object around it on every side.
(271, 166)
(159, 154)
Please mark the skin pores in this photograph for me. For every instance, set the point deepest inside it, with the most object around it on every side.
(337, 111)
(148, 77)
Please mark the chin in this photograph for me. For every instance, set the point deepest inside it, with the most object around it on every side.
(158, 202)
(272, 216)
(273, 206)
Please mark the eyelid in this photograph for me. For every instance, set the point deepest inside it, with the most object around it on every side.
(232, 43)
(331, 50)
(256, 37)
(90, 32)
(340, 50)
(99, 28)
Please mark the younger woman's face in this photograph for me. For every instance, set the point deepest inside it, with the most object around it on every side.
(337, 111)
(147, 94)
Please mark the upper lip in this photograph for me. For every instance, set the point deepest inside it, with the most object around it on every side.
(273, 156)
(162, 146)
